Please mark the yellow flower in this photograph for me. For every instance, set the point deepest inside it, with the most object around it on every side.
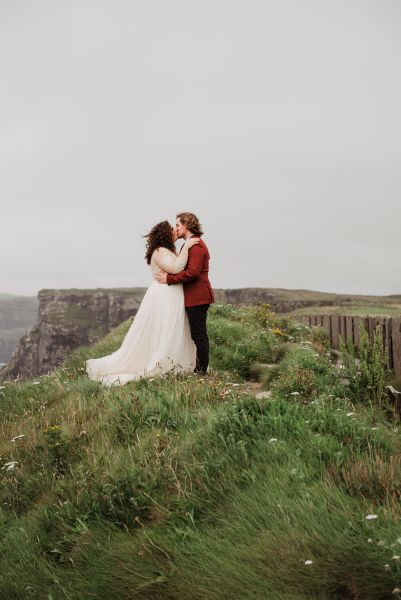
(52, 428)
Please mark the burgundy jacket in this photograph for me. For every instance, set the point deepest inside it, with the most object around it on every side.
(197, 288)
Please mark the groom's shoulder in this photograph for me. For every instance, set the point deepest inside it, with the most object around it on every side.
(203, 245)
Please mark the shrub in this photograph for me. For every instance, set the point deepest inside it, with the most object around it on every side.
(367, 375)
(237, 341)
(296, 381)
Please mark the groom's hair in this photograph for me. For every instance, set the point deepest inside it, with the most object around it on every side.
(191, 221)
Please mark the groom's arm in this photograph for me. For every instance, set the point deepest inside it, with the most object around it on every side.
(193, 269)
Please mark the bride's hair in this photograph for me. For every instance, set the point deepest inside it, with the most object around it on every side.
(161, 236)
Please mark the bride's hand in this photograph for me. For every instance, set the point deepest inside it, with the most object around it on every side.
(192, 242)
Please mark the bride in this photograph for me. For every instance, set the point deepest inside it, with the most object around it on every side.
(159, 339)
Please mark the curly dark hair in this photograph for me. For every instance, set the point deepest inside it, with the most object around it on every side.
(160, 236)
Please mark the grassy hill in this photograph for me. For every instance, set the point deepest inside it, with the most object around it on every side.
(361, 309)
(193, 487)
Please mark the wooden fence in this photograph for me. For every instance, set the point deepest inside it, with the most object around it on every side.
(348, 328)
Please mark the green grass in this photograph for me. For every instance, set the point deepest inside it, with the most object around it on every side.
(191, 488)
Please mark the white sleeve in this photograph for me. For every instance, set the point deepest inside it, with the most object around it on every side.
(169, 262)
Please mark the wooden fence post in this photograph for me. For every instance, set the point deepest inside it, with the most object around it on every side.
(334, 319)
(396, 339)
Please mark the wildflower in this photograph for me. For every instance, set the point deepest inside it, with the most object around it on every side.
(295, 394)
(381, 543)
(387, 567)
(2, 387)
(371, 517)
(375, 428)
(370, 541)
(350, 414)
(273, 440)
(52, 428)
(395, 557)
(309, 562)
(10, 465)
(18, 437)
(396, 591)
(35, 382)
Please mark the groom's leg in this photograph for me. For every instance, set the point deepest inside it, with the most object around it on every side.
(197, 316)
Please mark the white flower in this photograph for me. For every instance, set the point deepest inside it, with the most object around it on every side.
(396, 591)
(35, 382)
(371, 517)
(381, 543)
(10, 465)
(273, 440)
(295, 394)
(350, 414)
(309, 562)
(395, 557)
(387, 567)
(2, 387)
(370, 541)
(18, 437)
(375, 428)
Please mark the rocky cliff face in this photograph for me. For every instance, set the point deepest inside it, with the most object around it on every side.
(68, 319)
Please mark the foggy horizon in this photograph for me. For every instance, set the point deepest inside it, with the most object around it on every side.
(278, 124)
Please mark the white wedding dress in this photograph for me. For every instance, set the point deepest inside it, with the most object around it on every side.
(159, 339)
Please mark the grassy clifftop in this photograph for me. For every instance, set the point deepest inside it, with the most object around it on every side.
(195, 488)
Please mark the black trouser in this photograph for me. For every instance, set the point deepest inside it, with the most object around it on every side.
(197, 321)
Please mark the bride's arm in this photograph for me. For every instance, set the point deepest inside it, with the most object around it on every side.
(169, 262)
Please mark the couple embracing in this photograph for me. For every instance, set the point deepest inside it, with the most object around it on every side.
(169, 332)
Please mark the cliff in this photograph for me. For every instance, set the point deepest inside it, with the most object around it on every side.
(71, 318)
(68, 319)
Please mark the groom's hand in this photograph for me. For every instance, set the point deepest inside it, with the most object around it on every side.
(161, 277)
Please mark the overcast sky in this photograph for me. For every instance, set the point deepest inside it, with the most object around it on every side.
(277, 122)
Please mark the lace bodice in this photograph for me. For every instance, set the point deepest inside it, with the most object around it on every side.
(168, 261)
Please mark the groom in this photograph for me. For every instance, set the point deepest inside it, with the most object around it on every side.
(198, 292)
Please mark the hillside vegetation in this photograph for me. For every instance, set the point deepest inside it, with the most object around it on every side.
(198, 488)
